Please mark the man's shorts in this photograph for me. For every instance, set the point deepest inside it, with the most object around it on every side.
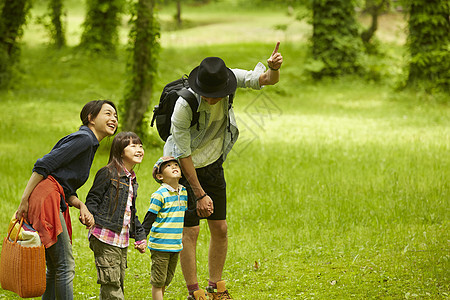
(164, 265)
(212, 180)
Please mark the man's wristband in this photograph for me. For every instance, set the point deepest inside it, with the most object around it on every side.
(273, 68)
(201, 197)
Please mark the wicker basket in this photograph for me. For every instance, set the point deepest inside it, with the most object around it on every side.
(22, 269)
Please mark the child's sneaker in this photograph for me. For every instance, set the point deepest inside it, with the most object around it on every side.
(198, 295)
(220, 293)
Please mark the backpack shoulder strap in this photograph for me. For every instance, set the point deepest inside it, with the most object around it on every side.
(230, 100)
(193, 103)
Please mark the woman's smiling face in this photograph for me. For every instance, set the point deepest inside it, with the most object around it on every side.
(105, 123)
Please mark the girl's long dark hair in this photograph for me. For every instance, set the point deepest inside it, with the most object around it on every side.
(120, 142)
(115, 163)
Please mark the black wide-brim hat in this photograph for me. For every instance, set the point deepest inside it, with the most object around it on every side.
(212, 79)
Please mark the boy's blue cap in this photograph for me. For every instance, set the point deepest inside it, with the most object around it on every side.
(157, 166)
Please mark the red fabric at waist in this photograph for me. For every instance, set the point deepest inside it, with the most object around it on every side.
(44, 208)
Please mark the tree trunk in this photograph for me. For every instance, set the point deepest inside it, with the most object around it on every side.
(100, 32)
(428, 41)
(335, 41)
(367, 35)
(12, 19)
(56, 8)
(144, 34)
(179, 21)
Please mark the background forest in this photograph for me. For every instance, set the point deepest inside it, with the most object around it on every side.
(338, 186)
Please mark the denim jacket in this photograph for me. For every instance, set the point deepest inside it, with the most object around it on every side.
(109, 210)
(185, 139)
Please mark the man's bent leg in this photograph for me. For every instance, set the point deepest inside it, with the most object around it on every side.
(217, 248)
(188, 260)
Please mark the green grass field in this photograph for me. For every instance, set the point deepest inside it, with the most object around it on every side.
(336, 189)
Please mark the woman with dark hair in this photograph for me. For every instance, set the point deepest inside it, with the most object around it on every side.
(52, 188)
(112, 201)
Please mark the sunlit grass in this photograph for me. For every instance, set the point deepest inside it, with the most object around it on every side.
(337, 189)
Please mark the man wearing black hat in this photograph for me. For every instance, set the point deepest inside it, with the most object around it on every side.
(201, 150)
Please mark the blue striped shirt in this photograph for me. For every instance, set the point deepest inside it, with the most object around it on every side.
(169, 205)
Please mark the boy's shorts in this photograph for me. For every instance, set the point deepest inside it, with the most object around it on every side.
(212, 180)
(164, 265)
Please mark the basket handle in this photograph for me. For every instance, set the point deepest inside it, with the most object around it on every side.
(18, 231)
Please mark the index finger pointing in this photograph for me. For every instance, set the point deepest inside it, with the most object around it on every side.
(276, 48)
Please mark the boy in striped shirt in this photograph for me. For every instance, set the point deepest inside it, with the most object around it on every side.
(164, 221)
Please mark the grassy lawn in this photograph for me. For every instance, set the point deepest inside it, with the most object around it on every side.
(336, 189)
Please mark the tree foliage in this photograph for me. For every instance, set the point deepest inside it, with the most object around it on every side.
(268, 3)
(53, 22)
(374, 8)
(57, 29)
(101, 24)
(143, 51)
(12, 19)
(429, 43)
(336, 43)
(178, 13)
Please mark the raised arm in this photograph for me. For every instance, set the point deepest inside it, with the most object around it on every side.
(272, 75)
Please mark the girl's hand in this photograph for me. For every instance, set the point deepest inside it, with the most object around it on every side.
(86, 217)
(140, 246)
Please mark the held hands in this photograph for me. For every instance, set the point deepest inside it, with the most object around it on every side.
(205, 207)
(86, 217)
(140, 246)
(275, 60)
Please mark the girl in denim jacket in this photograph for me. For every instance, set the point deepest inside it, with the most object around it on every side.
(112, 201)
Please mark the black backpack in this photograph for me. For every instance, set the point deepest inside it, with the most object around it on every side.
(162, 113)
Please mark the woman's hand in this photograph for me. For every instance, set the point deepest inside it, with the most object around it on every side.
(22, 210)
(86, 217)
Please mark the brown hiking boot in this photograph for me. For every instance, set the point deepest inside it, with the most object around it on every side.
(220, 293)
(198, 295)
